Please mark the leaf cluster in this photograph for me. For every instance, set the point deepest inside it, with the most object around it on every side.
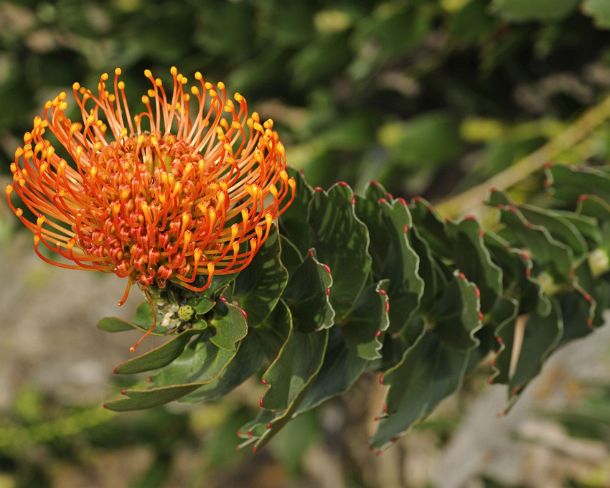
(350, 284)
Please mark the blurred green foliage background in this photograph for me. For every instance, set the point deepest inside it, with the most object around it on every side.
(425, 95)
(428, 96)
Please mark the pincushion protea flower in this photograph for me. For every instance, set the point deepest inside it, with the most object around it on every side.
(188, 187)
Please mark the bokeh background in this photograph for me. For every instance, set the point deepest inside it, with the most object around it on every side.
(428, 96)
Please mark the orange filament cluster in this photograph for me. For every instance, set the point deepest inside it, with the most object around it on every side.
(189, 186)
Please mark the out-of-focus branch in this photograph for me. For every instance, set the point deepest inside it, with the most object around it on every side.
(574, 134)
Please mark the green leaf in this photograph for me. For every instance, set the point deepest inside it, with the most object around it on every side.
(393, 257)
(307, 296)
(200, 363)
(153, 397)
(341, 241)
(593, 206)
(568, 183)
(541, 336)
(203, 305)
(431, 228)
(143, 318)
(586, 226)
(428, 270)
(374, 192)
(473, 259)
(291, 257)
(368, 320)
(577, 314)
(255, 429)
(293, 223)
(561, 229)
(456, 315)
(115, 324)
(248, 360)
(540, 10)
(341, 369)
(429, 372)
(230, 325)
(158, 357)
(546, 251)
(502, 318)
(297, 363)
(268, 423)
(273, 333)
(488, 344)
(259, 287)
(594, 291)
(517, 266)
(142, 321)
(222, 285)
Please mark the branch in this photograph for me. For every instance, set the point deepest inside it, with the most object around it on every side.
(575, 133)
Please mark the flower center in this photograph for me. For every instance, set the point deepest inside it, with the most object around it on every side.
(151, 198)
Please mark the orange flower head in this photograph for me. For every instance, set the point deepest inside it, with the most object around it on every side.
(188, 187)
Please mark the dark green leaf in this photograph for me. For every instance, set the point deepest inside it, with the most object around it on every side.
(248, 360)
(577, 314)
(546, 251)
(341, 369)
(561, 229)
(159, 356)
(364, 327)
(393, 257)
(456, 315)
(200, 363)
(541, 336)
(293, 223)
(473, 259)
(341, 241)
(568, 183)
(115, 324)
(517, 266)
(429, 372)
(502, 318)
(203, 305)
(431, 228)
(297, 363)
(230, 326)
(307, 296)
(291, 257)
(153, 397)
(428, 270)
